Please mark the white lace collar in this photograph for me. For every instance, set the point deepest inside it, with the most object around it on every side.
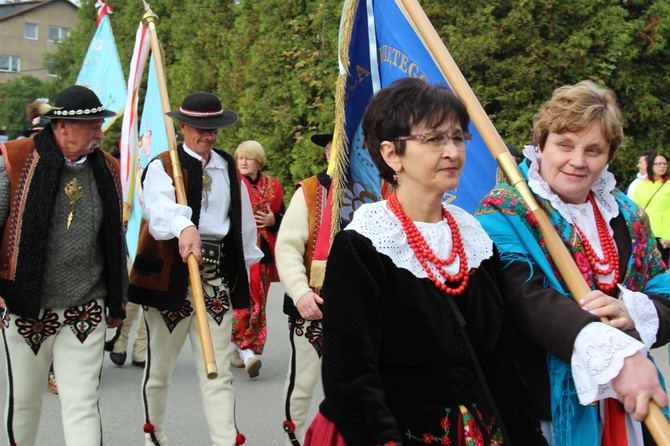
(376, 222)
(602, 189)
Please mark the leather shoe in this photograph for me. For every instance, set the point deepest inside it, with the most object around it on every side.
(253, 366)
(139, 363)
(118, 358)
(236, 360)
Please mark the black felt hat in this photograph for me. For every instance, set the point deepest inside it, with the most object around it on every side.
(38, 124)
(322, 139)
(78, 102)
(204, 111)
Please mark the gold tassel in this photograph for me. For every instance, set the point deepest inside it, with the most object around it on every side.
(340, 141)
(317, 273)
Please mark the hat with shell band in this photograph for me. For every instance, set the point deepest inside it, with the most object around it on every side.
(77, 102)
(204, 111)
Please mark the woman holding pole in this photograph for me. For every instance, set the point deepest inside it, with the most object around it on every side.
(417, 343)
(569, 358)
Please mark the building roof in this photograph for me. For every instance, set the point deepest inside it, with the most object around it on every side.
(9, 10)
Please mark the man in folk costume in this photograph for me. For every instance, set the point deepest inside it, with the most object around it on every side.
(294, 252)
(63, 276)
(218, 227)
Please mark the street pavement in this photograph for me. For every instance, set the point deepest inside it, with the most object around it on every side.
(259, 406)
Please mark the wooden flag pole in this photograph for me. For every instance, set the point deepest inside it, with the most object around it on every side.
(655, 421)
(150, 20)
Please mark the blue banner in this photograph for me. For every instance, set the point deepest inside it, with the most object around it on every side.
(385, 47)
(101, 71)
(152, 141)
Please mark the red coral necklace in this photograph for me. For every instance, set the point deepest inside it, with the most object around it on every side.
(610, 260)
(425, 254)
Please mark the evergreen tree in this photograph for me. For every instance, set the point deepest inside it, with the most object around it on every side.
(275, 63)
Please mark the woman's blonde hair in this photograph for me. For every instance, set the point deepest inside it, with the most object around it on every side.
(576, 107)
(251, 149)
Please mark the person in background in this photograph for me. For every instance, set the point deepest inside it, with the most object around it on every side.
(580, 370)
(64, 278)
(266, 195)
(118, 345)
(514, 151)
(217, 227)
(37, 124)
(417, 340)
(653, 195)
(296, 243)
(641, 173)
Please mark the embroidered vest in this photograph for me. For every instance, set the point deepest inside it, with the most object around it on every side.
(159, 278)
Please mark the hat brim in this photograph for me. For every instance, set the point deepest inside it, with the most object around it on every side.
(227, 118)
(82, 117)
(322, 139)
(32, 130)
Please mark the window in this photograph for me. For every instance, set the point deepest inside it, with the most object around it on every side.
(10, 63)
(30, 31)
(57, 33)
(50, 71)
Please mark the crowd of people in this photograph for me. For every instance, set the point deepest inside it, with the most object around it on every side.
(432, 325)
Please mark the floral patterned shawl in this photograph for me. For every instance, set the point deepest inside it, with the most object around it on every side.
(515, 231)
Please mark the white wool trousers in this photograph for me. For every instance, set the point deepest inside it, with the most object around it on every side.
(73, 339)
(166, 333)
(304, 373)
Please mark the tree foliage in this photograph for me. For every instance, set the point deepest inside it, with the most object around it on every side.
(17, 94)
(275, 63)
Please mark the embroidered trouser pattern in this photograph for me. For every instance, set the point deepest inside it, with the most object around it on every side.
(167, 331)
(304, 372)
(73, 339)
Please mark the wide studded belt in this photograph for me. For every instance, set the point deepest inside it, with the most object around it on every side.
(212, 254)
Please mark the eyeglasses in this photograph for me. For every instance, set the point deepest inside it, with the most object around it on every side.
(660, 164)
(438, 140)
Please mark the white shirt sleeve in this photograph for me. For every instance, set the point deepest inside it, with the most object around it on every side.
(290, 248)
(252, 253)
(644, 315)
(160, 209)
(597, 358)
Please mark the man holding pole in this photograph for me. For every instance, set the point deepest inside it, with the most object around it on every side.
(218, 228)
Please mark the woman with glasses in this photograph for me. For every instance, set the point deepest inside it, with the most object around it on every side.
(580, 370)
(417, 343)
(653, 195)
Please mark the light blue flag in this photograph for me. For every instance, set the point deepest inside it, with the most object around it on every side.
(385, 47)
(152, 141)
(101, 71)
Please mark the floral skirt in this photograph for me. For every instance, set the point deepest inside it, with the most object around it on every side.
(249, 324)
(460, 427)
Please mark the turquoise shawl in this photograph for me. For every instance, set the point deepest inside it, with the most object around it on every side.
(516, 233)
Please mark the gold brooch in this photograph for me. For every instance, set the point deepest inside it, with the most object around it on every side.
(74, 192)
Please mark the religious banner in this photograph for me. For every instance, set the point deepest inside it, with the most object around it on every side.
(101, 71)
(152, 141)
(379, 44)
